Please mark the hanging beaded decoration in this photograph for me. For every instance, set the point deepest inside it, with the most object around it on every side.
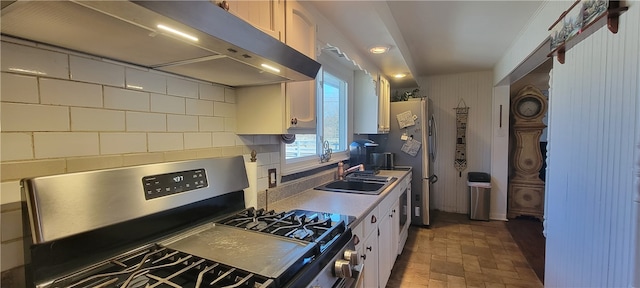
(462, 116)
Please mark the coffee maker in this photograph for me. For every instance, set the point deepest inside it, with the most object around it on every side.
(360, 152)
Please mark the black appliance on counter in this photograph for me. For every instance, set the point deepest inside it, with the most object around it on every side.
(361, 152)
(178, 224)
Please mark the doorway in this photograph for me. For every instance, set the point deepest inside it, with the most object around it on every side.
(527, 230)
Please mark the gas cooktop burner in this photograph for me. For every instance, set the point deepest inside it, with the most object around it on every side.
(304, 225)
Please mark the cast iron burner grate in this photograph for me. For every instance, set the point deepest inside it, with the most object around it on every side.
(158, 266)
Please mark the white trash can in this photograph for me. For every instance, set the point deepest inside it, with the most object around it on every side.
(479, 195)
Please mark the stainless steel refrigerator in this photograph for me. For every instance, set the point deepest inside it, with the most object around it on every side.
(417, 132)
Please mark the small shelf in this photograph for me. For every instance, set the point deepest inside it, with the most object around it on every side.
(610, 18)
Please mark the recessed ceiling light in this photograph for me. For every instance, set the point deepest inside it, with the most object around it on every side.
(379, 49)
(400, 75)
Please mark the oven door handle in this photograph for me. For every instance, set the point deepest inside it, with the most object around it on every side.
(360, 271)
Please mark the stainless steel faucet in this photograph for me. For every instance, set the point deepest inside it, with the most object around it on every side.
(342, 173)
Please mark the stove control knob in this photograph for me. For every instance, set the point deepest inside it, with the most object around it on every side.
(342, 269)
(351, 256)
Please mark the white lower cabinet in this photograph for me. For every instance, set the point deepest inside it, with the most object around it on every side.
(380, 245)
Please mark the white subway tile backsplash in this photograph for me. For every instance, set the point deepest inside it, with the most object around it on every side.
(9, 192)
(230, 124)
(32, 168)
(211, 124)
(263, 159)
(16, 146)
(123, 99)
(182, 87)
(12, 254)
(64, 92)
(145, 81)
(88, 119)
(262, 139)
(94, 71)
(78, 164)
(65, 144)
(244, 140)
(222, 109)
(182, 123)
(199, 107)
(31, 117)
(263, 183)
(165, 142)
(122, 143)
(11, 225)
(198, 140)
(19, 88)
(229, 95)
(142, 122)
(211, 92)
(142, 158)
(275, 157)
(29, 60)
(223, 139)
(167, 104)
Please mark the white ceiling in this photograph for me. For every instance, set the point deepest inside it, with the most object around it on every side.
(431, 37)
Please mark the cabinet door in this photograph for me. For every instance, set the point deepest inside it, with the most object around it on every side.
(384, 105)
(366, 100)
(260, 110)
(387, 243)
(371, 260)
(300, 34)
(266, 15)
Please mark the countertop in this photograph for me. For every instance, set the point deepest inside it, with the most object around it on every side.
(358, 205)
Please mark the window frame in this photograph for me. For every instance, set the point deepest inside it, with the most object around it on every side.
(339, 70)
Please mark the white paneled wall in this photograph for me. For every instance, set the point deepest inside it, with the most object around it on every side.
(476, 89)
(62, 112)
(591, 176)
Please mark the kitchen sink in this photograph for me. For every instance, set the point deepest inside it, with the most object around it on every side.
(357, 186)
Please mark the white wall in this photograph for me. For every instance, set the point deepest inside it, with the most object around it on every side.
(593, 138)
(450, 192)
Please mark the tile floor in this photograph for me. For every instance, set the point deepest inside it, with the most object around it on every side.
(458, 252)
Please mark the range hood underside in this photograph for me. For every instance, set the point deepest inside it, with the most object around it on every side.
(126, 31)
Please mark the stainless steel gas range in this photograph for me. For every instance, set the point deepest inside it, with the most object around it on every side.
(178, 224)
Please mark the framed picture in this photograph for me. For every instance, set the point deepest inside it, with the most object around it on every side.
(579, 16)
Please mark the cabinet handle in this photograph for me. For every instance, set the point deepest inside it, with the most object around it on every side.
(391, 215)
(364, 256)
(374, 219)
(369, 248)
(294, 121)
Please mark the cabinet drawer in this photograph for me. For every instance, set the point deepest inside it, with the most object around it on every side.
(371, 222)
(358, 233)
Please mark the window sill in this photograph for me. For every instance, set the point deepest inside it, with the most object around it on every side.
(314, 163)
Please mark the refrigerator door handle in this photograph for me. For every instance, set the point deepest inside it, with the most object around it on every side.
(432, 179)
(433, 137)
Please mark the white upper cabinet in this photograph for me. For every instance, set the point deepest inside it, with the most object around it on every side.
(300, 34)
(371, 104)
(266, 15)
(288, 108)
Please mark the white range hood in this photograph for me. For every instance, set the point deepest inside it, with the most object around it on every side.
(228, 50)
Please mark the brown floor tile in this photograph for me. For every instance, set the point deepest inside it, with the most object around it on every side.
(437, 284)
(448, 268)
(458, 252)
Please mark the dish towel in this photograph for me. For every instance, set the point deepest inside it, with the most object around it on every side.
(462, 116)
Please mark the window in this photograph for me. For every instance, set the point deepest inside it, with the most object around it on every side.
(331, 111)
